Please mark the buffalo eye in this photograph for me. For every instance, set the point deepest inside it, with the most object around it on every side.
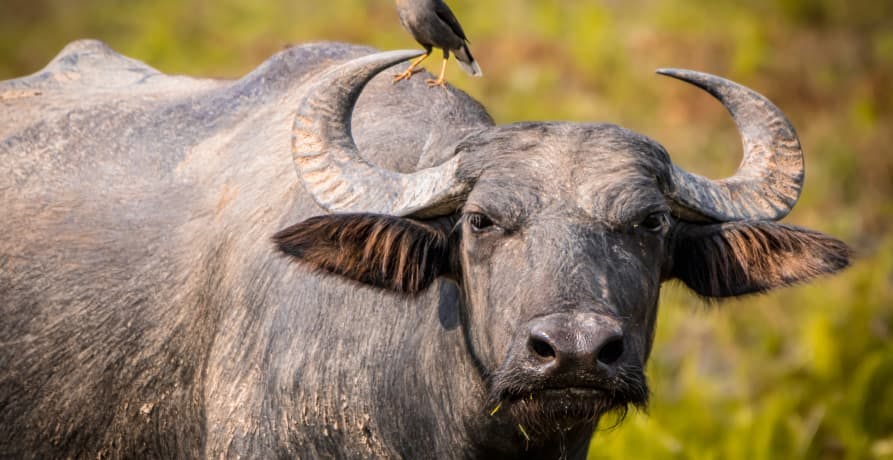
(480, 222)
(654, 222)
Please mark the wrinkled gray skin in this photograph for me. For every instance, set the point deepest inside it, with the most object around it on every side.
(146, 312)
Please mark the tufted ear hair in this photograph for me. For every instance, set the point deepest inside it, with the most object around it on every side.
(735, 258)
(394, 253)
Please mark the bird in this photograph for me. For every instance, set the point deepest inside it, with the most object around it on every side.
(433, 25)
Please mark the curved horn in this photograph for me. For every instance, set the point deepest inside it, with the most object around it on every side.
(329, 162)
(770, 176)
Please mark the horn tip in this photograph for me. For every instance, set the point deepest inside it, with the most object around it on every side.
(680, 74)
(380, 60)
(396, 56)
(710, 83)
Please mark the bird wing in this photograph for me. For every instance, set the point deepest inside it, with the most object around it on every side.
(446, 15)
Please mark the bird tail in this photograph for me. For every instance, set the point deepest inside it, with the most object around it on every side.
(467, 62)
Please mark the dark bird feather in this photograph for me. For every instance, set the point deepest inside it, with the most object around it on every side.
(433, 25)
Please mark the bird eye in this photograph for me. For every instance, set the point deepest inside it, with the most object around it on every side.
(654, 222)
(479, 222)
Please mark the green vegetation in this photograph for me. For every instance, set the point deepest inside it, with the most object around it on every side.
(805, 372)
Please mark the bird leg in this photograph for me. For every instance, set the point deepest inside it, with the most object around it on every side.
(440, 81)
(407, 74)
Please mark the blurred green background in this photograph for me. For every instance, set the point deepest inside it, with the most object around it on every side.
(804, 372)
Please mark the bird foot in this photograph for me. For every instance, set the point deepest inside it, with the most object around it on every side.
(439, 82)
(406, 75)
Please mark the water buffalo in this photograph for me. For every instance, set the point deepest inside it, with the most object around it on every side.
(430, 285)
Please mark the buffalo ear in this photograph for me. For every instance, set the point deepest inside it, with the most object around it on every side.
(390, 252)
(736, 258)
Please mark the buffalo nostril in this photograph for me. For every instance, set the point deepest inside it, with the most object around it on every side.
(541, 348)
(611, 351)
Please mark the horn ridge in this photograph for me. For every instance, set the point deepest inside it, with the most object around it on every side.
(330, 165)
(769, 179)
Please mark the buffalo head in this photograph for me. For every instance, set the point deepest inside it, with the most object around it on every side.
(559, 236)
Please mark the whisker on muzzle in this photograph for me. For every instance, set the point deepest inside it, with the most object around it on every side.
(543, 406)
